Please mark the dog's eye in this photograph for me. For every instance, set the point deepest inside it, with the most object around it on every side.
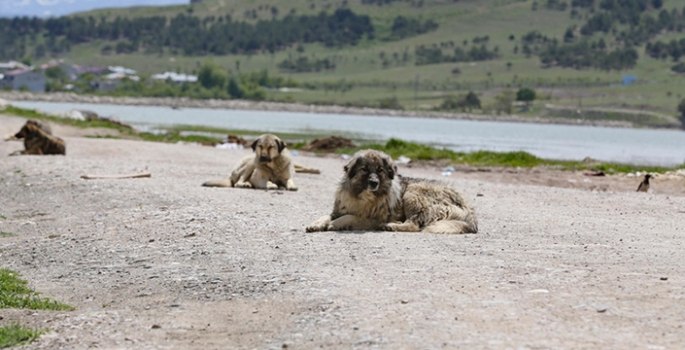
(365, 169)
(379, 169)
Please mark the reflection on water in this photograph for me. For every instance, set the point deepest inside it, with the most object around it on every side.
(657, 147)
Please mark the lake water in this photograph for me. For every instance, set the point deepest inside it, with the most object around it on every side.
(637, 146)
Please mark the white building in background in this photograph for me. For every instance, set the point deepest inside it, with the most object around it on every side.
(175, 77)
(12, 65)
(110, 81)
(122, 70)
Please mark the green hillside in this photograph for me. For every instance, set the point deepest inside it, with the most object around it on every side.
(384, 67)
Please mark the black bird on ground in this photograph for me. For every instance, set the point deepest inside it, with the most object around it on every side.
(644, 185)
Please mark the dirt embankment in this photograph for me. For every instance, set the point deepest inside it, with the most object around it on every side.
(163, 263)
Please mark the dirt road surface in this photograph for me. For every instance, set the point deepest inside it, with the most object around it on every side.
(163, 263)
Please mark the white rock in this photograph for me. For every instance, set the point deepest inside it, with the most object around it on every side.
(74, 114)
(403, 160)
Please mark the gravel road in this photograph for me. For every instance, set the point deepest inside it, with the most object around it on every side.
(163, 263)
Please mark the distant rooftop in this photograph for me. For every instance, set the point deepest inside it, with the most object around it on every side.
(122, 70)
(12, 65)
(14, 73)
(93, 70)
(176, 77)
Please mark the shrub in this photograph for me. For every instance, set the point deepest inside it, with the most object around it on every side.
(390, 103)
(681, 109)
(525, 95)
(679, 68)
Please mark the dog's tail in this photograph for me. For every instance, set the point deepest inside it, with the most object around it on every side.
(221, 183)
(468, 225)
(301, 169)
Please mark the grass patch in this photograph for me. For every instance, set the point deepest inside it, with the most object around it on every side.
(15, 294)
(4, 234)
(298, 145)
(173, 137)
(32, 114)
(103, 137)
(16, 335)
(396, 148)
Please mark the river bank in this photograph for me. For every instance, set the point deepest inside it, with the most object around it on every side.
(184, 102)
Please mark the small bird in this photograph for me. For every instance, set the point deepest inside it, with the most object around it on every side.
(644, 185)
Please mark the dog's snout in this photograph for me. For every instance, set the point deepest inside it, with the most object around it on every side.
(373, 182)
(264, 159)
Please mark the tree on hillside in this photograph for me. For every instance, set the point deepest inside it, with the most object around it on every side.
(503, 102)
(472, 100)
(526, 95)
(464, 102)
(681, 109)
(211, 76)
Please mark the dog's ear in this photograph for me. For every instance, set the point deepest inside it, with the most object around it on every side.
(281, 145)
(351, 167)
(390, 168)
(254, 144)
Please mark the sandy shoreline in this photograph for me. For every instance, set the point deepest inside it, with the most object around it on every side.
(163, 263)
(291, 107)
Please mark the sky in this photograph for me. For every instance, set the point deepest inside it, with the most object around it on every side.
(47, 8)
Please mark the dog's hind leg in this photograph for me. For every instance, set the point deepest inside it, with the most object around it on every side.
(220, 183)
(406, 226)
(241, 175)
(450, 227)
(352, 223)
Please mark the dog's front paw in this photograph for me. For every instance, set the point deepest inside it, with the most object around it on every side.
(316, 228)
(243, 185)
(319, 225)
(388, 227)
(271, 186)
(290, 185)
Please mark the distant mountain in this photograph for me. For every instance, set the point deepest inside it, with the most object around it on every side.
(46, 8)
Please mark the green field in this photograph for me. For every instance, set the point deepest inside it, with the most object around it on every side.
(657, 89)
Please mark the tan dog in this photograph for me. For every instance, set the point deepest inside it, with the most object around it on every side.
(269, 168)
(38, 140)
(371, 196)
